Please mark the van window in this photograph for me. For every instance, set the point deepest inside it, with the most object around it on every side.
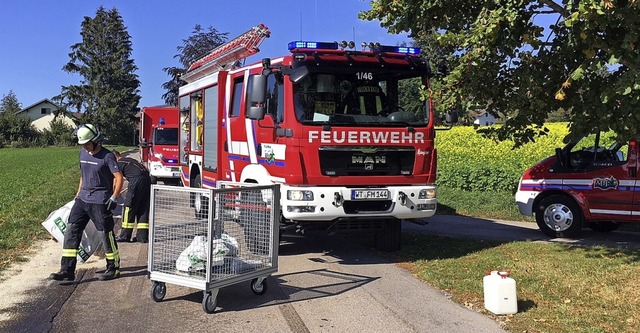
(585, 155)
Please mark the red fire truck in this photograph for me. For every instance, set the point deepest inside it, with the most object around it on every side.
(159, 142)
(342, 130)
(591, 182)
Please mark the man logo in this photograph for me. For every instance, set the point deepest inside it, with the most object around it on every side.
(368, 166)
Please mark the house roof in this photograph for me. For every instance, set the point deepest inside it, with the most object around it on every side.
(39, 102)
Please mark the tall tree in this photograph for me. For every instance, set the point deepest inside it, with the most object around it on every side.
(9, 103)
(525, 59)
(14, 127)
(193, 48)
(108, 93)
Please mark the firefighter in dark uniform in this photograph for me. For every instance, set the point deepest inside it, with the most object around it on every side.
(100, 184)
(137, 200)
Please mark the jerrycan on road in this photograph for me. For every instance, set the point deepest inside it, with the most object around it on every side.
(500, 295)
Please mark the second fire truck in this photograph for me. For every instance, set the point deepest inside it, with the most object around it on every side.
(342, 130)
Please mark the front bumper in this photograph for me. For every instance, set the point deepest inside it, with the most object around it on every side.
(330, 203)
(524, 200)
(158, 170)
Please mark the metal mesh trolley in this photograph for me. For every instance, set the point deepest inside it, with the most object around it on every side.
(228, 240)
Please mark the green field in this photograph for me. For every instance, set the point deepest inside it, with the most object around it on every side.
(35, 181)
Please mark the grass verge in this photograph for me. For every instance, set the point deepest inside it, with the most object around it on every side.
(560, 288)
(493, 205)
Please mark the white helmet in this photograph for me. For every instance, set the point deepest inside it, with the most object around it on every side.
(86, 133)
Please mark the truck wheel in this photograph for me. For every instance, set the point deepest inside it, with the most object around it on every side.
(389, 238)
(200, 202)
(604, 226)
(559, 216)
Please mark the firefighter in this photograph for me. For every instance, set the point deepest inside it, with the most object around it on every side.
(100, 185)
(137, 200)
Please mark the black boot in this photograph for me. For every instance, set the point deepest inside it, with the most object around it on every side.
(110, 274)
(125, 235)
(62, 276)
(142, 236)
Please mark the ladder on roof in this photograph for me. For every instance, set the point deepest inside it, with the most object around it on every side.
(225, 55)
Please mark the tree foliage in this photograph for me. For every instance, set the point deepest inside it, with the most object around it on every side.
(193, 48)
(525, 59)
(9, 103)
(108, 93)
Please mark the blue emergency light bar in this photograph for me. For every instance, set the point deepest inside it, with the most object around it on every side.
(313, 45)
(400, 49)
(161, 121)
(334, 46)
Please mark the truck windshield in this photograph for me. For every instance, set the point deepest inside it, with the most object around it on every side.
(165, 136)
(361, 96)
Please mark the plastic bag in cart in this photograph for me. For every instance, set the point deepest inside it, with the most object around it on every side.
(194, 257)
(56, 224)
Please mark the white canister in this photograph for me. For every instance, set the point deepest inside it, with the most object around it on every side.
(500, 295)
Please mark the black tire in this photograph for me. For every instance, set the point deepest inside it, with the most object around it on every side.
(200, 202)
(209, 302)
(158, 291)
(559, 216)
(604, 226)
(259, 288)
(389, 238)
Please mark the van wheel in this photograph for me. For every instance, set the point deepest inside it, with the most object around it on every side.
(200, 202)
(388, 239)
(604, 226)
(559, 216)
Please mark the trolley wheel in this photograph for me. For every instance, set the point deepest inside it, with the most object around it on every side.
(259, 288)
(209, 302)
(158, 291)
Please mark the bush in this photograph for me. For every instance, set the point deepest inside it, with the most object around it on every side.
(470, 162)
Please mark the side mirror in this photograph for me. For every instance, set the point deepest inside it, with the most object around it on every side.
(144, 143)
(257, 97)
(451, 117)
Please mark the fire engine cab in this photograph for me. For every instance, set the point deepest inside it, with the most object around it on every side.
(591, 182)
(343, 131)
(159, 143)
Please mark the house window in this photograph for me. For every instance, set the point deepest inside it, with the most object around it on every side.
(45, 111)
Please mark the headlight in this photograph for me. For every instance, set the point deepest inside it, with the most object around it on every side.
(299, 195)
(427, 194)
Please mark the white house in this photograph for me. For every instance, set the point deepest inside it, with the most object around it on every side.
(42, 113)
(485, 119)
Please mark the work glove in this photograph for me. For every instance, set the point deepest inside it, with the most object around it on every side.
(111, 203)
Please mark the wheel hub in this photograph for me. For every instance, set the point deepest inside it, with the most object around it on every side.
(558, 217)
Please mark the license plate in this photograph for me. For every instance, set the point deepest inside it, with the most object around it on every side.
(176, 174)
(369, 194)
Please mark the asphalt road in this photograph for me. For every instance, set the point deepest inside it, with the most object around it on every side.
(627, 236)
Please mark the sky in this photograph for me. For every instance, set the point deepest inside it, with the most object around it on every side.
(36, 35)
